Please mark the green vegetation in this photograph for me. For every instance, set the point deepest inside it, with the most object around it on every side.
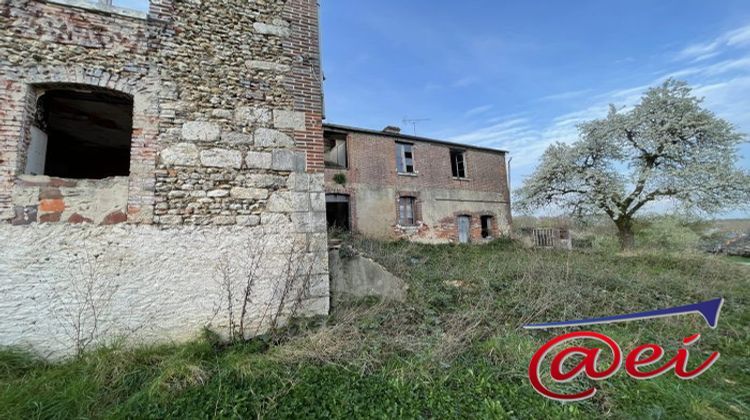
(340, 179)
(666, 147)
(454, 350)
(740, 260)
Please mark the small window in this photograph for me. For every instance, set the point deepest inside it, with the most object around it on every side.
(81, 133)
(486, 227)
(335, 152)
(405, 158)
(406, 214)
(458, 163)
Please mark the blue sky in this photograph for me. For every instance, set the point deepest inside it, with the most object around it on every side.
(520, 75)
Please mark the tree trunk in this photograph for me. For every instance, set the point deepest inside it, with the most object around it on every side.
(625, 233)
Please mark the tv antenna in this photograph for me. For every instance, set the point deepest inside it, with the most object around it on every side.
(413, 122)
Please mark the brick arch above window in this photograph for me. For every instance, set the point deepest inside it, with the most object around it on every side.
(21, 94)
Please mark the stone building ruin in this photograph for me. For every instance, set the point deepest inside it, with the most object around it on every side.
(140, 150)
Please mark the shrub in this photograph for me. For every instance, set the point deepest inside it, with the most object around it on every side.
(667, 233)
(339, 179)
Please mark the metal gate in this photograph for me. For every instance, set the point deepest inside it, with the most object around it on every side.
(546, 238)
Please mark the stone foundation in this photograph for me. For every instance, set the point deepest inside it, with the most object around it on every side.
(149, 284)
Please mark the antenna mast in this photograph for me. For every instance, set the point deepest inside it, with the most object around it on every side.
(413, 122)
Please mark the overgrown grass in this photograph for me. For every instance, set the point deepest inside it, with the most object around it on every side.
(453, 350)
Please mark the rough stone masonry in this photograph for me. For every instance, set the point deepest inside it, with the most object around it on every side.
(226, 153)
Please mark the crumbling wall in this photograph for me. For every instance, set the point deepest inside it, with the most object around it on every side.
(374, 187)
(227, 143)
(42, 199)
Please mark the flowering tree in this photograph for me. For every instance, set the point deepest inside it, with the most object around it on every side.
(666, 147)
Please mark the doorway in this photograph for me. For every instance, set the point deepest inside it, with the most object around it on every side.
(464, 229)
(337, 211)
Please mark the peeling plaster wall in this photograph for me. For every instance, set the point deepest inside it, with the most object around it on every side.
(163, 282)
(437, 209)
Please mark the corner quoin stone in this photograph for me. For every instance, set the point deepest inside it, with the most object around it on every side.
(252, 116)
(289, 119)
(221, 158)
(266, 137)
(200, 131)
(243, 193)
(181, 154)
(258, 160)
(287, 160)
(267, 66)
(234, 137)
(266, 29)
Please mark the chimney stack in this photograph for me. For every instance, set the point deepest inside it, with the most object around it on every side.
(392, 129)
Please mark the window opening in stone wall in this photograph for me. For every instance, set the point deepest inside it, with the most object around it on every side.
(458, 163)
(405, 158)
(337, 211)
(335, 151)
(81, 134)
(486, 227)
(406, 213)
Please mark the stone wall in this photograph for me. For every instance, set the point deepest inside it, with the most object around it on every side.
(227, 143)
(227, 98)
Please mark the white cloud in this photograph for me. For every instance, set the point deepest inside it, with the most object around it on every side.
(527, 139)
(477, 111)
(565, 95)
(713, 69)
(739, 36)
(465, 81)
(705, 50)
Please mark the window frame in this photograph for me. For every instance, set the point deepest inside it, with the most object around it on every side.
(403, 219)
(402, 167)
(41, 94)
(488, 219)
(454, 153)
(336, 165)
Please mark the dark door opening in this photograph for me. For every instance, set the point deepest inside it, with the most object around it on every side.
(88, 132)
(337, 211)
(486, 227)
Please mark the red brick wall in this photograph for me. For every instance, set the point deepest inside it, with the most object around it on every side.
(372, 164)
(305, 80)
(372, 160)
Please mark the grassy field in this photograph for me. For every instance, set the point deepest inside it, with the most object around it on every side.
(740, 260)
(453, 350)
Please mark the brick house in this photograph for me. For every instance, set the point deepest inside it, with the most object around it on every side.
(389, 185)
